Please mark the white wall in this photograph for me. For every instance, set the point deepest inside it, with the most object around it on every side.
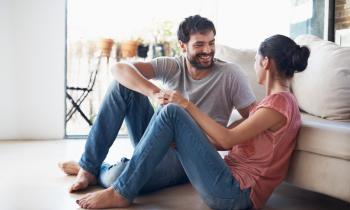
(32, 69)
(7, 100)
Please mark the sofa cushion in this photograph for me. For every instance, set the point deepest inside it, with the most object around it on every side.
(323, 89)
(245, 59)
(325, 137)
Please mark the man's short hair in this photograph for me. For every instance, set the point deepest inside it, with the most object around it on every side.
(194, 24)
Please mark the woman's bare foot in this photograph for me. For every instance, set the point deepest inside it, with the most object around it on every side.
(69, 167)
(107, 198)
(84, 179)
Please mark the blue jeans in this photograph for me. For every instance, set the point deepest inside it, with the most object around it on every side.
(154, 163)
(121, 103)
(205, 168)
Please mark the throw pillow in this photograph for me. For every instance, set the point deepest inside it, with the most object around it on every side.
(323, 89)
(245, 59)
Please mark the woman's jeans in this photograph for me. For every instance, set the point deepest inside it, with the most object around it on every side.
(155, 163)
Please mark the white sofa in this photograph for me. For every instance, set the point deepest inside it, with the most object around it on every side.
(321, 160)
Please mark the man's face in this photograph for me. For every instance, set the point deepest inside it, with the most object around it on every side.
(200, 50)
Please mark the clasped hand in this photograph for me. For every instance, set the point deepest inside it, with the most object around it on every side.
(171, 96)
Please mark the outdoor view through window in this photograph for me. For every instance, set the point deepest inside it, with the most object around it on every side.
(102, 32)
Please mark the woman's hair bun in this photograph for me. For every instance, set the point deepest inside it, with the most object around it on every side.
(289, 56)
(299, 58)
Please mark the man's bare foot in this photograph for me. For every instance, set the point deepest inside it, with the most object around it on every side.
(69, 167)
(84, 179)
(107, 198)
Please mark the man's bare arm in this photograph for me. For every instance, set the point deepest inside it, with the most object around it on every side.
(244, 112)
(135, 77)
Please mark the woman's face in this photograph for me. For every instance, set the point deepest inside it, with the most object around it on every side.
(259, 69)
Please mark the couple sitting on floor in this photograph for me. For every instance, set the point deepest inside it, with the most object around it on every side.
(179, 141)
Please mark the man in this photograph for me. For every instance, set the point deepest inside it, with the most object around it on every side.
(216, 87)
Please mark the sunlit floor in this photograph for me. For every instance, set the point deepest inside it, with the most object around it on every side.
(30, 179)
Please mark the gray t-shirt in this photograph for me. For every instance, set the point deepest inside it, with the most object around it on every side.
(225, 88)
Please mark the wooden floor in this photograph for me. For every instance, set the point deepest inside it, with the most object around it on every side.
(30, 179)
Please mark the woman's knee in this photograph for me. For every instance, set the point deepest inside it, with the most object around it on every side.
(173, 109)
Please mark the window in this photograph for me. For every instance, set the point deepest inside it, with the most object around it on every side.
(153, 23)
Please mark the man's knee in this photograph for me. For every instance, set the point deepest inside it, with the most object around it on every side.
(117, 89)
(113, 88)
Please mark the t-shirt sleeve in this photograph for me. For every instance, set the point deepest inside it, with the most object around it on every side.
(277, 102)
(164, 68)
(243, 94)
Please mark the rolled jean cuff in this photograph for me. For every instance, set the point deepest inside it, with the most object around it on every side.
(124, 193)
(88, 168)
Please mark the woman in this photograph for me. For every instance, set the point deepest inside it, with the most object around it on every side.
(261, 145)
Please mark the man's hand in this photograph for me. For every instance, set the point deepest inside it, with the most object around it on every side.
(172, 96)
(160, 97)
(156, 96)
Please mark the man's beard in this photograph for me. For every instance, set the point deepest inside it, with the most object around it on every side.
(195, 61)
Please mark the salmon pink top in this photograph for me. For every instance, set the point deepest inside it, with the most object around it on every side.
(261, 163)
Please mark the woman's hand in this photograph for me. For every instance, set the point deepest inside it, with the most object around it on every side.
(172, 96)
(158, 97)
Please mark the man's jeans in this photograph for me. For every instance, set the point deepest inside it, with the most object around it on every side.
(155, 164)
(122, 103)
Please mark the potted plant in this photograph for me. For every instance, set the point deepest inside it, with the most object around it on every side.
(163, 35)
(129, 48)
(105, 45)
(142, 48)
